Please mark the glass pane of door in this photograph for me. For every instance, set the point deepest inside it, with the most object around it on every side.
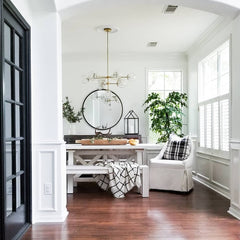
(7, 41)
(16, 154)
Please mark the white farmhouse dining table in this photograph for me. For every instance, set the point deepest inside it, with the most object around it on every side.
(81, 159)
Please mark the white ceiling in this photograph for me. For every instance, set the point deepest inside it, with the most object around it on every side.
(138, 25)
(220, 7)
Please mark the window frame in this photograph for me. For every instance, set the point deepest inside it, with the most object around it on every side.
(227, 96)
(183, 87)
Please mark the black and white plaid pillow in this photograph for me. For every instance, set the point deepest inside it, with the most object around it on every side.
(177, 149)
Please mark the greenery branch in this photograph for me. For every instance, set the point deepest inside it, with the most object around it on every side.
(69, 113)
(166, 114)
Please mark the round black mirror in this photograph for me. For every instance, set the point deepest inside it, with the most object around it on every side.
(102, 109)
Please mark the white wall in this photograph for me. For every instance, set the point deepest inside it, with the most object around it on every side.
(48, 156)
(48, 150)
(210, 170)
(235, 141)
(132, 96)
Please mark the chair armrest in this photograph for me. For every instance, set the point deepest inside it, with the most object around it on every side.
(189, 161)
(161, 153)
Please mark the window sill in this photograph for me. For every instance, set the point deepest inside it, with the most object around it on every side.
(212, 153)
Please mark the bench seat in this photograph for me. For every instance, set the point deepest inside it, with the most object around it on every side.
(72, 170)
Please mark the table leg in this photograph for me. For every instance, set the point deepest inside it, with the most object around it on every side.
(70, 157)
(144, 190)
(139, 157)
(70, 183)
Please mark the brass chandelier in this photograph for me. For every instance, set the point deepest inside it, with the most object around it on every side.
(115, 78)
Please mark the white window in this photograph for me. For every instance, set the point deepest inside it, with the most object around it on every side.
(213, 98)
(163, 82)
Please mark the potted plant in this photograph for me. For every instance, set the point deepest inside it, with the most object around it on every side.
(166, 114)
(70, 115)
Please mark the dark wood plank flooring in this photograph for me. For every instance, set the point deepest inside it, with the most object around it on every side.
(94, 214)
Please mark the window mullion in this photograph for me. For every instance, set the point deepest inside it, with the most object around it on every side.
(218, 93)
(212, 132)
(205, 126)
(164, 90)
(218, 73)
(219, 129)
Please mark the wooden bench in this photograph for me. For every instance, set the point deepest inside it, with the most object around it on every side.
(72, 170)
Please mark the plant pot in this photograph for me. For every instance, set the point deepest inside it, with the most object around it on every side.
(72, 128)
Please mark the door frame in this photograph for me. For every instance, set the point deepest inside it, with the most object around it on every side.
(28, 151)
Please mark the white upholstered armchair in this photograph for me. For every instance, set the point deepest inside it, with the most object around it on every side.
(172, 175)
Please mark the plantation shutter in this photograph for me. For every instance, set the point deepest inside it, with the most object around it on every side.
(208, 126)
(213, 93)
(202, 126)
(224, 121)
(215, 110)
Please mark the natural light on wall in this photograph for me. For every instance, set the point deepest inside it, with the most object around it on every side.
(213, 98)
(163, 82)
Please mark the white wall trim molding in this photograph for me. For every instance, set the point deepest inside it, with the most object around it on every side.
(53, 218)
(49, 143)
(234, 140)
(216, 188)
(52, 163)
(235, 143)
(220, 24)
(202, 176)
(222, 156)
(221, 186)
(223, 161)
(204, 156)
(234, 211)
(213, 172)
(235, 178)
(49, 167)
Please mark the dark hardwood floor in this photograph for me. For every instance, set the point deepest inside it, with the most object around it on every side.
(94, 214)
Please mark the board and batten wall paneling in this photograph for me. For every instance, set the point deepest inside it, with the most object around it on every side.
(49, 171)
(210, 170)
(47, 174)
(235, 120)
(222, 171)
(203, 167)
(214, 172)
(235, 178)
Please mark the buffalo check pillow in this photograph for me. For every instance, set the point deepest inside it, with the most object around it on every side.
(177, 148)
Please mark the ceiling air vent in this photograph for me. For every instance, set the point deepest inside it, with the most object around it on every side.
(170, 9)
(152, 44)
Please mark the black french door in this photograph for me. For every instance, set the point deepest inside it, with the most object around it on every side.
(15, 159)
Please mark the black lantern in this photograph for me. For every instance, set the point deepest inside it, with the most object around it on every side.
(131, 123)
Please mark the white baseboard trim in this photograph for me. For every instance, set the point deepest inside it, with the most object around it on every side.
(49, 142)
(211, 186)
(234, 211)
(50, 218)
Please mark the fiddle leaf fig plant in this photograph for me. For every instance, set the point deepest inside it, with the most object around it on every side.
(166, 114)
(69, 114)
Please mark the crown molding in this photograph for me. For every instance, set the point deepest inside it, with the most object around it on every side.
(218, 25)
